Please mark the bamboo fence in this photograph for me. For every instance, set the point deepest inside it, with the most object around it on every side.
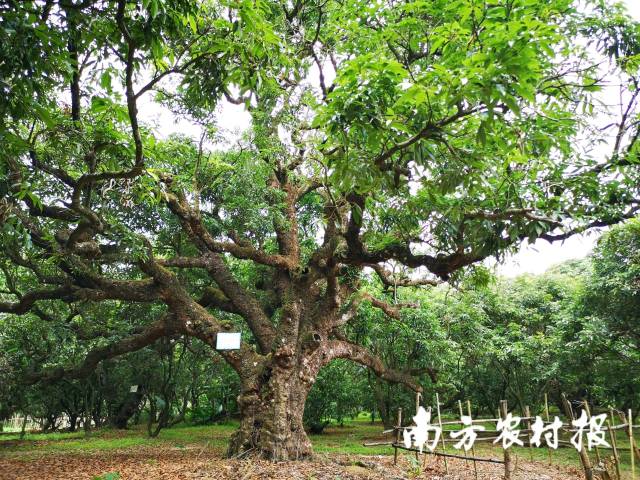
(605, 468)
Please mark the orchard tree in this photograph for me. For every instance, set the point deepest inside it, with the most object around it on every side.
(613, 290)
(608, 325)
(408, 140)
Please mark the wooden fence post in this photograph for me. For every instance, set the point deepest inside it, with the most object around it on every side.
(444, 447)
(398, 427)
(586, 407)
(584, 457)
(418, 395)
(473, 450)
(527, 413)
(612, 436)
(546, 414)
(507, 453)
(466, 462)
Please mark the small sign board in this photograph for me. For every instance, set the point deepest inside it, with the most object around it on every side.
(133, 389)
(228, 341)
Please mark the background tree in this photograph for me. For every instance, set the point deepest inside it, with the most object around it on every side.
(608, 313)
(453, 131)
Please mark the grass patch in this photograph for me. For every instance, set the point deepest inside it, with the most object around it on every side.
(349, 438)
(33, 437)
(214, 436)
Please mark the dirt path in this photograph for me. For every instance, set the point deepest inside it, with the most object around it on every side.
(189, 464)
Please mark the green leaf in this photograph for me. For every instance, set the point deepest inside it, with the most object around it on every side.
(105, 81)
(45, 116)
(481, 135)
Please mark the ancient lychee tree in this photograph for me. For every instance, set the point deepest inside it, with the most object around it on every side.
(408, 140)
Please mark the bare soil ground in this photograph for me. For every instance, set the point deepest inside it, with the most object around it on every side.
(197, 463)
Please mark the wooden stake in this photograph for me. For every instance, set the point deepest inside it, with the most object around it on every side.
(632, 447)
(546, 413)
(507, 453)
(473, 450)
(636, 450)
(418, 395)
(466, 462)
(584, 457)
(398, 427)
(444, 447)
(612, 436)
(586, 408)
(527, 413)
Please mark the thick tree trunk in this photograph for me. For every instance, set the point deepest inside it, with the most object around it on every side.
(382, 404)
(73, 421)
(128, 408)
(271, 410)
(97, 413)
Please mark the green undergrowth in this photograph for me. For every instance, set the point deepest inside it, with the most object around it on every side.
(106, 439)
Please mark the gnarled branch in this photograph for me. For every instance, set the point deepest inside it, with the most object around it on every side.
(356, 353)
(149, 335)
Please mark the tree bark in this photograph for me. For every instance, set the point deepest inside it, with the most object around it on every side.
(274, 392)
(271, 408)
(128, 408)
(382, 404)
(73, 420)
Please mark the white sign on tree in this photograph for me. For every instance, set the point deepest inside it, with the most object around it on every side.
(228, 341)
